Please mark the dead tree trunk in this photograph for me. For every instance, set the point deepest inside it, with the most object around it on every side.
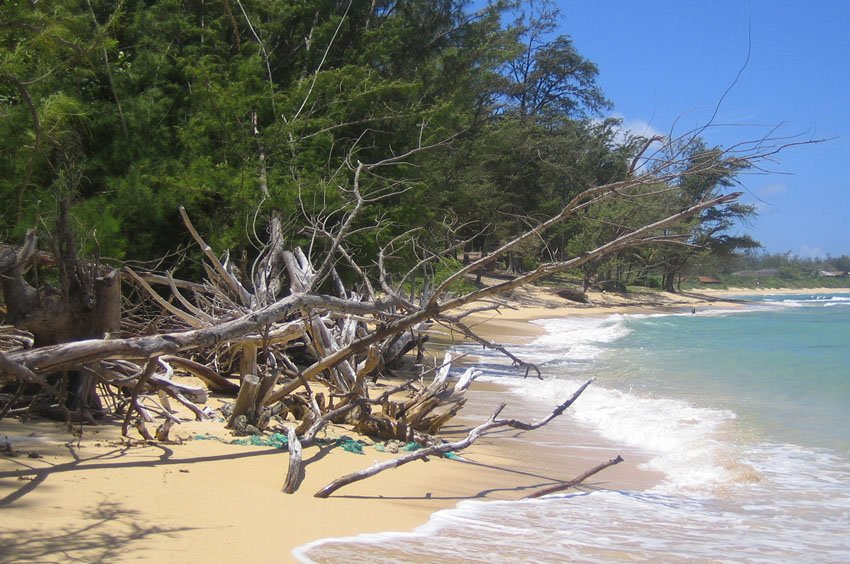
(86, 304)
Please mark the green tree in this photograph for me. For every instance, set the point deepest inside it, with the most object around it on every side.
(707, 232)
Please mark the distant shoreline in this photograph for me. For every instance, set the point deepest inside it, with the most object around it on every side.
(776, 291)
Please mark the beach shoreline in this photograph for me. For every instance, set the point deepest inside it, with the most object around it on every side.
(209, 501)
(95, 497)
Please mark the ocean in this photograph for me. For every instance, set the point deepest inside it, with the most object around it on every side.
(743, 413)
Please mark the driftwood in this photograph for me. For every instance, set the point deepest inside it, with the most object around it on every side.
(293, 476)
(444, 448)
(290, 321)
(248, 409)
(214, 381)
(308, 438)
(21, 373)
(577, 480)
(418, 417)
(246, 401)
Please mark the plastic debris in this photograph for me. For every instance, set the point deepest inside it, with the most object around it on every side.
(275, 440)
(278, 440)
(350, 445)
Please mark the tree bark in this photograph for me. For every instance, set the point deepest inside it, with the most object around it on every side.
(246, 401)
(293, 475)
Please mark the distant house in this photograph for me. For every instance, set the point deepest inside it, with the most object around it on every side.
(763, 273)
(833, 273)
(707, 280)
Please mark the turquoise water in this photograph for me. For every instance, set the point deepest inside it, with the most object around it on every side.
(783, 369)
(743, 412)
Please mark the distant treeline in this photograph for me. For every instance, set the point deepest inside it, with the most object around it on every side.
(754, 269)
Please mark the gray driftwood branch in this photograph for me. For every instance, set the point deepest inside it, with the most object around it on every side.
(444, 448)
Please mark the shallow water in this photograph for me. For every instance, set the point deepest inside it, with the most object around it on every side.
(744, 413)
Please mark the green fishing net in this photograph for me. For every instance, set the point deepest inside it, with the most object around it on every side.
(278, 440)
(275, 440)
(350, 445)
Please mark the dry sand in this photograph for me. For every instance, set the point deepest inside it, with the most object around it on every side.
(734, 292)
(96, 498)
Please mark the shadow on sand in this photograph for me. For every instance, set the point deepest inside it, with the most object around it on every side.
(84, 539)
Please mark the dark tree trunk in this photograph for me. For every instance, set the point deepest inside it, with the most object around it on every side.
(87, 306)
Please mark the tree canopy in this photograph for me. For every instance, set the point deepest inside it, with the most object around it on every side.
(241, 110)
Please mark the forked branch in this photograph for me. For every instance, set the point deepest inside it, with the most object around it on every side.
(445, 448)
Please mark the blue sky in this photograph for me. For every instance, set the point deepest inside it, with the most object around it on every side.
(665, 62)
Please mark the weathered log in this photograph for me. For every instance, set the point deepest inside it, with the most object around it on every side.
(577, 480)
(68, 355)
(367, 365)
(246, 401)
(466, 379)
(89, 306)
(134, 398)
(248, 360)
(267, 384)
(140, 426)
(214, 381)
(12, 339)
(164, 429)
(293, 475)
(433, 424)
(190, 393)
(401, 345)
(309, 436)
(301, 274)
(10, 368)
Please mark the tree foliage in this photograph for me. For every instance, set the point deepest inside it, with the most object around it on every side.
(241, 110)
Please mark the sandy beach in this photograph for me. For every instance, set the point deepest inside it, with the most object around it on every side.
(97, 497)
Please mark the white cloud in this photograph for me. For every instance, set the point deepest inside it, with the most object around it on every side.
(638, 127)
(807, 251)
(630, 128)
(765, 196)
(772, 190)
(634, 128)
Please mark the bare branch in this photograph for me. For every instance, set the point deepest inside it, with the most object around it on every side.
(445, 448)
(468, 332)
(577, 480)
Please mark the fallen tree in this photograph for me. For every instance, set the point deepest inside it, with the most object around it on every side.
(445, 448)
(282, 338)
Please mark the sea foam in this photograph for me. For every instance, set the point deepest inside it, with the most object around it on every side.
(774, 501)
(684, 441)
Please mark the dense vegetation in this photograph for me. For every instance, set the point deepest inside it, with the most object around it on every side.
(119, 112)
(775, 270)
